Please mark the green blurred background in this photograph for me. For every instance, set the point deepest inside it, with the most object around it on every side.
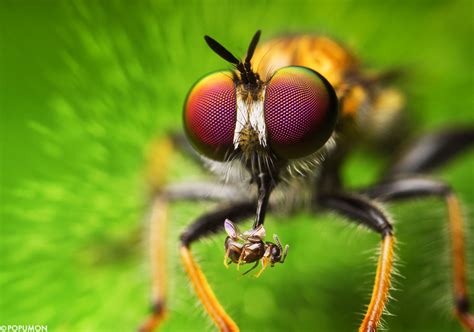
(84, 86)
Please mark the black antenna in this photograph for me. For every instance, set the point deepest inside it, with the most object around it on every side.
(252, 46)
(247, 75)
(221, 50)
(251, 76)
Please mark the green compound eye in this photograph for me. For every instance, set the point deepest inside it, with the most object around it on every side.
(300, 111)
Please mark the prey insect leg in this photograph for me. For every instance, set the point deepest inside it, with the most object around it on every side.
(251, 269)
(365, 212)
(205, 226)
(410, 187)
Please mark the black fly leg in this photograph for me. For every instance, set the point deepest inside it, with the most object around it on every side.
(213, 222)
(205, 191)
(204, 226)
(432, 151)
(365, 212)
(160, 158)
(402, 181)
(160, 153)
(411, 187)
(426, 154)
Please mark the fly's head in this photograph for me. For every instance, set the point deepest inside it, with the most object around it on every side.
(233, 114)
(275, 253)
(263, 125)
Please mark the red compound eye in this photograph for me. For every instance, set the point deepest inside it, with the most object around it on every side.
(210, 115)
(300, 111)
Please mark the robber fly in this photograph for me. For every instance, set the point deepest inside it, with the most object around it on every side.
(285, 118)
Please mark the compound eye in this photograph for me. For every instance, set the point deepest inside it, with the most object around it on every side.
(300, 111)
(210, 115)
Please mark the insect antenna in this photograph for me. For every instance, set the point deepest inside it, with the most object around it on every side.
(253, 44)
(221, 50)
(247, 75)
(252, 47)
(227, 56)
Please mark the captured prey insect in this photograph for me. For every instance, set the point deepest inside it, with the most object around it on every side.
(285, 119)
(249, 247)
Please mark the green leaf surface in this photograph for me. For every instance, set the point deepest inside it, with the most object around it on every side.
(86, 85)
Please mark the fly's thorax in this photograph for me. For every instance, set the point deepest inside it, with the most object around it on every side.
(322, 54)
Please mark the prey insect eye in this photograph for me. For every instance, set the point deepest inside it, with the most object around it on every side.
(210, 115)
(300, 111)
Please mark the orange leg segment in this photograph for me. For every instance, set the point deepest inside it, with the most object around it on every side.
(159, 156)
(223, 321)
(459, 263)
(418, 186)
(381, 286)
(158, 223)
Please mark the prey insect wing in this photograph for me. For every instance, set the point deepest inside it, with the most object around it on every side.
(231, 230)
(258, 232)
